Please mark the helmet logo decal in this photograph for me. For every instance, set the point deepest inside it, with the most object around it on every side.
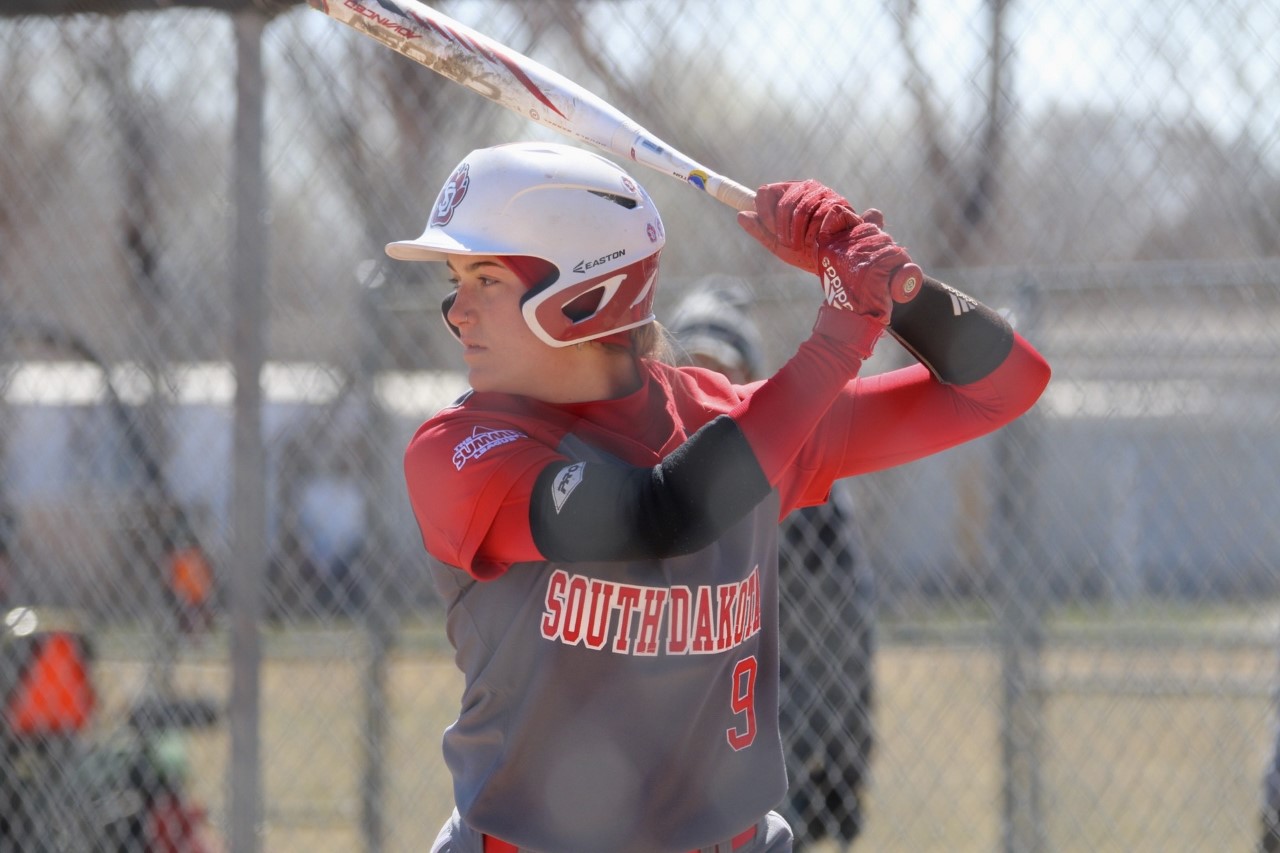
(583, 266)
(454, 191)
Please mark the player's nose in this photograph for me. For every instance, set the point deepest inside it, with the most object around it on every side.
(461, 308)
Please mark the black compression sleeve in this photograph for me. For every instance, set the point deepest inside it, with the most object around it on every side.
(598, 511)
(955, 336)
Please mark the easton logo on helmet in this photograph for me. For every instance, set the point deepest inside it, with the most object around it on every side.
(583, 266)
(454, 191)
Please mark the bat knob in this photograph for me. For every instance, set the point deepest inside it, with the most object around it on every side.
(906, 283)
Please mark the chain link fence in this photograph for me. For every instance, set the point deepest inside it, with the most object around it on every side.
(1067, 631)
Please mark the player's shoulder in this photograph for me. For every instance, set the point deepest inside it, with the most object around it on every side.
(699, 387)
(474, 406)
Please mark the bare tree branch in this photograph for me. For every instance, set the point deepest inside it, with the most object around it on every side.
(965, 198)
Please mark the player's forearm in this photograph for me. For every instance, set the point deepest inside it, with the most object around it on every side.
(958, 338)
(780, 415)
(899, 417)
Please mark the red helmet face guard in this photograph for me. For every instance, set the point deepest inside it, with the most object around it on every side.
(613, 302)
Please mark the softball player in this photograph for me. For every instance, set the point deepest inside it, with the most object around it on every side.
(603, 527)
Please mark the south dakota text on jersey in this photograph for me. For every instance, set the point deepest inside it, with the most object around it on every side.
(635, 620)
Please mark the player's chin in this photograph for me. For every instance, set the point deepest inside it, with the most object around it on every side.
(483, 378)
(477, 359)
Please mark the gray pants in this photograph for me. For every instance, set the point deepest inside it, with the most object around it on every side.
(773, 835)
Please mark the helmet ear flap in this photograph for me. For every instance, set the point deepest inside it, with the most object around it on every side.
(446, 305)
(592, 308)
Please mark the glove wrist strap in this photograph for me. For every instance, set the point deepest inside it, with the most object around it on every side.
(854, 331)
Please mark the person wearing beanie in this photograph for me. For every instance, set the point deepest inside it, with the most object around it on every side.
(826, 597)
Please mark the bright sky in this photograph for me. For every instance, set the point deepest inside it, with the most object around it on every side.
(1214, 59)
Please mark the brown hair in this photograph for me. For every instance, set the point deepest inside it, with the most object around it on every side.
(653, 341)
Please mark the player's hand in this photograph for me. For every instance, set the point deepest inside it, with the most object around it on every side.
(787, 218)
(857, 260)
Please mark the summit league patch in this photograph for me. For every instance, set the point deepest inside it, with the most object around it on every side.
(483, 439)
(480, 442)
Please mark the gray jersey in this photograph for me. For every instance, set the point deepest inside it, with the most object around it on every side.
(620, 706)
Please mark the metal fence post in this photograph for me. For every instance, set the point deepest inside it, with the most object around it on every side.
(249, 533)
(1021, 620)
(376, 617)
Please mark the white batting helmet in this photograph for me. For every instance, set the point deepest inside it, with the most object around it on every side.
(574, 209)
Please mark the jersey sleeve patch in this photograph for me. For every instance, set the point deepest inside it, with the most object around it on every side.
(481, 441)
(565, 481)
(467, 481)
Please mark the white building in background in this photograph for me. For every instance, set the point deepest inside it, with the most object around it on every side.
(1133, 486)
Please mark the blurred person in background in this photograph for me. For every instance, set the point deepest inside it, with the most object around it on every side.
(1270, 839)
(826, 595)
(8, 539)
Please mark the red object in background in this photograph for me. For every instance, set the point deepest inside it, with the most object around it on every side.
(175, 827)
(191, 577)
(54, 694)
(191, 583)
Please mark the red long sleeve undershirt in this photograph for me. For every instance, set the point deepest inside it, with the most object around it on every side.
(780, 415)
(880, 421)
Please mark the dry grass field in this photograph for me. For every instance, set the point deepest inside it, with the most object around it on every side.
(1143, 748)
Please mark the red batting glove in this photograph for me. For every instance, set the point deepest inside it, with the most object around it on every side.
(787, 218)
(857, 269)
(857, 261)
